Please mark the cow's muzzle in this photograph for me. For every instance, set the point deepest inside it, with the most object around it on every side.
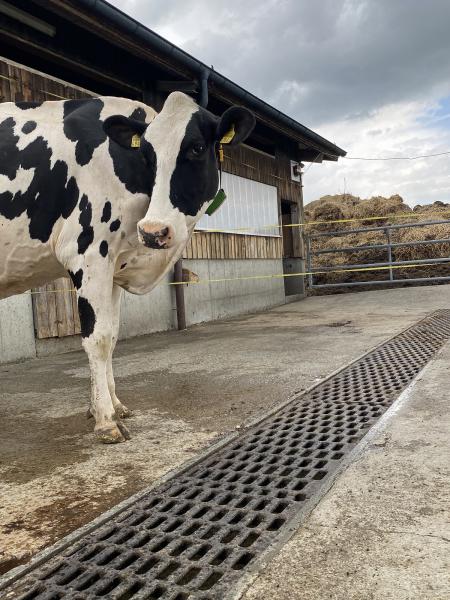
(157, 235)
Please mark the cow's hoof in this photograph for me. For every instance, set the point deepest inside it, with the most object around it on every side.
(123, 412)
(113, 434)
(123, 430)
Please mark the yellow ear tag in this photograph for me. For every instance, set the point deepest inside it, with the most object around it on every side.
(228, 136)
(135, 141)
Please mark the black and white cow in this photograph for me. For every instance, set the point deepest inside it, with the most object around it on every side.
(107, 191)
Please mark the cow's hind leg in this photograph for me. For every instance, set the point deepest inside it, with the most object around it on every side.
(96, 318)
(121, 410)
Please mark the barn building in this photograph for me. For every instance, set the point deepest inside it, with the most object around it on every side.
(53, 49)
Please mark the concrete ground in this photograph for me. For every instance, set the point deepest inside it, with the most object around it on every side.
(382, 532)
(187, 389)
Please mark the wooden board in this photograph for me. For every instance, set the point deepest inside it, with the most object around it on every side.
(232, 246)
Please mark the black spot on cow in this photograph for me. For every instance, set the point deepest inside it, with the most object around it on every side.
(54, 201)
(132, 169)
(139, 114)
(26, 105)
(106, 214)
(135, 169)
(115, 225)
(50, 194)
(87, 233)
(9, 152)
(83, 126)
(87, 317)
(29, 127)
(71, 105)
(104, 248)
(77, 278)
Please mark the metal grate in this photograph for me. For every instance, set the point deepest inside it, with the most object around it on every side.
(193, 537)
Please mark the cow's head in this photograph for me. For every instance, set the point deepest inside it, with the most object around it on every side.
(179, 146)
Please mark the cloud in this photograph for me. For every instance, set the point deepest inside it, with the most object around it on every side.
(321, 61)
(371, 75)
(396, 130)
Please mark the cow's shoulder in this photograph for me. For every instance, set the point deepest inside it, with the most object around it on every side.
(82, 124)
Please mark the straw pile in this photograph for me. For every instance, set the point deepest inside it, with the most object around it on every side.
(346, 206)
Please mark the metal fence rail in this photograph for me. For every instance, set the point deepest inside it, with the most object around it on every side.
(389, 246)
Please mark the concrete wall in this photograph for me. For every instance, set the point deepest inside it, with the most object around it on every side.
(155, 311)
(207, 302)
(16, 328)
(146, 314)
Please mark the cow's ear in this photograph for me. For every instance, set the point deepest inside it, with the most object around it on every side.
(124, 131)
(235, 125)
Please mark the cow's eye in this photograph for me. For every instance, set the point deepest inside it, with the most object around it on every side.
(198, 149)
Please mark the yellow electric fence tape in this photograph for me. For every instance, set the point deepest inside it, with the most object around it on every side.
(277, 276)
(304, 274)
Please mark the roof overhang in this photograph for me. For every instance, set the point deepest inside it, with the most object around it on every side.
(180, 71)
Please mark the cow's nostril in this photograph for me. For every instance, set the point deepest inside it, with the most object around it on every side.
(156, 239)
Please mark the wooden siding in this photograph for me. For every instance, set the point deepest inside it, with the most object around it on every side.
(19, 84)
(205, 245)
(55, 310)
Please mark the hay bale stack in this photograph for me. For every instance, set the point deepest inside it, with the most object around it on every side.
(346, 206)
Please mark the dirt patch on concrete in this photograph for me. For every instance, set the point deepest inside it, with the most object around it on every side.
(71, 480)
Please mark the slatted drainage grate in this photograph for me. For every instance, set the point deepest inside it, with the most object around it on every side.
(194, 535)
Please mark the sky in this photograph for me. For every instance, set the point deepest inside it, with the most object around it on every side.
(373, 76)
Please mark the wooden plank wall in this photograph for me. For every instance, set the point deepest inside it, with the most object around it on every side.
(20, 84)
(55, 310)
(54, 305)
(205, 245)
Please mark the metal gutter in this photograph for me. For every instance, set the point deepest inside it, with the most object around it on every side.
(137, 30)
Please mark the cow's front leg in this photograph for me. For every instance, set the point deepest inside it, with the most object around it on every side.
(95, 306)
(121, 410)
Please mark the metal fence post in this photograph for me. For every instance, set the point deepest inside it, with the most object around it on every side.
(179, 294)
(387, 231)
(309, 261)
